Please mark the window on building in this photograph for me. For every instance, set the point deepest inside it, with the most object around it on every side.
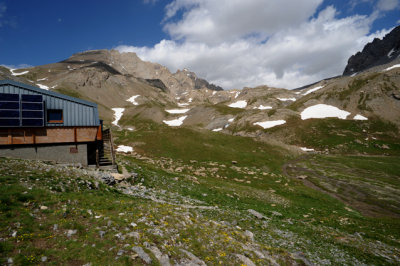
(55, 116)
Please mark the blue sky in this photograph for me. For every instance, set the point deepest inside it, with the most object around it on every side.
(233, 43)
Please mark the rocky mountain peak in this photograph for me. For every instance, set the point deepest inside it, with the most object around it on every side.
(130, 64)
(375, 53)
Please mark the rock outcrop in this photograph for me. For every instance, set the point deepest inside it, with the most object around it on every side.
(375, 53)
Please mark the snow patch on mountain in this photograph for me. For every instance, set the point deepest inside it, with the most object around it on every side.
(262, 107)
(390, 68)
(117, 115)
(125, 149)
(360, 117)
(390, 53)
(133, 100)
(323, 111)
(44, 87)
(306, 149)
(177, 111)
(18, 74)
(269, 124)
(238, 104)
(313, 89)
(175, 122)
(286, 99)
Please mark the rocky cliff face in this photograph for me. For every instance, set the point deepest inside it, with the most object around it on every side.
(375, 53)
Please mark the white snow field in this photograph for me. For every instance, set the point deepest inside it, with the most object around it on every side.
(269, 124)
(117, 115)
(177, 111)
(238, 104)
(262, 107)
(175, 122)
(44, 87)
(323, 111)
(313, 89)
(286, 99)
(306, 149)
(390, 68)
(360, 117)
(133, 100)
(217, 129)
(123, 148)
(18, 74)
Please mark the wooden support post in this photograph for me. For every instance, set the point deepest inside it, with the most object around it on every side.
(97, 158)
(10, 137)
(75, 135)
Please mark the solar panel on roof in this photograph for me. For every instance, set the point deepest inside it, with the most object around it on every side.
(9, 113)
(9, 105)
(9, 97)
(31, 98)
(32, 122)
(9, 122)
(24, 110)
(32, 114)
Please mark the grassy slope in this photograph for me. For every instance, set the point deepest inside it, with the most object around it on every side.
(250, 187)
(188, 167)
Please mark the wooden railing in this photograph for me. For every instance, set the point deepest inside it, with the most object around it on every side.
(107, 137)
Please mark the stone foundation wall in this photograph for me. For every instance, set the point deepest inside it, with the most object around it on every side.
(59, 153)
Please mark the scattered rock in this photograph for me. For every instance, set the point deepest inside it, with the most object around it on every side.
(162, 258)
(257, 214)
(249, 235)
(276, 213)
(102, 233)
(301, 256)
(143, 255)
(193, 258)
(44, 259)
(71, 232)
(245, 260)
(133, 224)
(43, 208)
(133, 234)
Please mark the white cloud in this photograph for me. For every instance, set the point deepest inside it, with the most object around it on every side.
(388, 5)
(212, 21)
(248, 43)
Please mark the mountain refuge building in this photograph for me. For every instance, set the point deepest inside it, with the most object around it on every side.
(41, 124)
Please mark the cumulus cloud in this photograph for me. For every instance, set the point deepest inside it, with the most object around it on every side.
(388, 5)
(225, 20)
(248, 43)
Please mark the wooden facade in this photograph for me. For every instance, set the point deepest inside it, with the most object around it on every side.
(48, 135)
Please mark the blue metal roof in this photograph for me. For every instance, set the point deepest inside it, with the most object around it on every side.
(76, 112)
(46, 92)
